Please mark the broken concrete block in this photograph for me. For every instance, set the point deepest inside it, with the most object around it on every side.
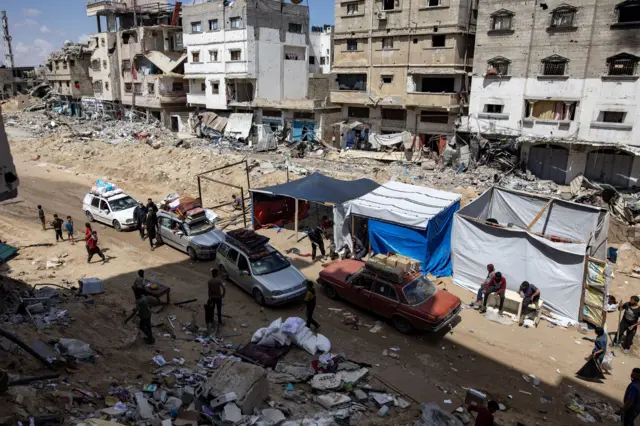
(382, 398)
(144, 408)
(326, 381)
(352, 376)
(173, 403)
(360, 395)
(400, 402)
(224, 399)
(248, 381)
(272, 416)
(290, 373)
(333, 400)
(231, 414)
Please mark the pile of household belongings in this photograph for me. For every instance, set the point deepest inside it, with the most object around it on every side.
(105, 189)
(185, 207)
(292, 330)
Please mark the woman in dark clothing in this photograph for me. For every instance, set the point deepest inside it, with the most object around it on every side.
(151, 226)
(310, 302)
(592, 369)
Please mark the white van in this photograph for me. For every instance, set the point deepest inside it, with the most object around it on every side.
(114, 208)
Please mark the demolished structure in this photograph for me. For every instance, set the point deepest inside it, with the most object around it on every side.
(141, 53)
(67, 72)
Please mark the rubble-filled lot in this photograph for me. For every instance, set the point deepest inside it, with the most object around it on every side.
(122, 381)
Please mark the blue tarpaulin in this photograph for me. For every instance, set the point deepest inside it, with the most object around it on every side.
(432, 247)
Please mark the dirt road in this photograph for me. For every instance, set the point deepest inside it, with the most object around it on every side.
(477, 353)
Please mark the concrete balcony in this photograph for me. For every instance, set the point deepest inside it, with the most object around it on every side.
(433, 100)
(196, 98)
(99, 7)
(349, 97)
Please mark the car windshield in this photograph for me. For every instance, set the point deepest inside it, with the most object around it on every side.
(123, 203)
(418, 290)
(199, 227)
(269, 264)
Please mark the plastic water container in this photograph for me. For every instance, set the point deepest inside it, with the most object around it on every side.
(91, 286)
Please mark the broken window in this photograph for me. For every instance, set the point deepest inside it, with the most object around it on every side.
(129, 37)
(196, 27)
(72, 63)
(213, 56)
(106, 85)
(437, 85)
(213, 24)
(235, 55)
(613, 116)
(102, 42)
(563, 17)
(628, 11)
(439, 117)
(137, 88)
(177, 86)
(151, 87)
(97, 86)
(323, 60)
(300, 115)
(104, 64)
(64, 65)
(95, 65)
(203, 86)
(195, 56)
(387, 79)
(312, 60)
(358, 112)
(126, 64)
(432, 3)
(235, 22)
(554, 65)
(271, 113)
(215, 87)
(438, 40)
(290, 56)
(551, 110)
(498, 66)
(394, 114)
(622, 64)
(352, 45)
(352, 8)
(295, 28)
(387, 42)
(502, 20)
(388, 4)
(128, 87)
(67, 83)
(493, 108)
(352, 82)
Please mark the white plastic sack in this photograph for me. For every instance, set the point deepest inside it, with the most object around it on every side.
(275, 325)
(323, 344)
(258, 335)
(268, 340)
(302, 335)
(311, 345)
(292, 325)
(280, 338)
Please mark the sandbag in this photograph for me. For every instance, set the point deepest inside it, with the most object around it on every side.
(322, 343)
(302, 335)
(258, 335)
(292, 325)
(311, 345)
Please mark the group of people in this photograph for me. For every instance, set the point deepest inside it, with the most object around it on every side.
(496, 283)
(147, 220)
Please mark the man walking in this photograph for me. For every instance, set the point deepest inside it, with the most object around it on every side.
(315, 236)
(631, 407)
(498, 286)
(139, 215)
(217, 291)
(144, 313)
(629, 323)
(92, 243)
(57, 227)
(310, 301)
(151, 205)
(530, 294)
(150, 221)
(41, 217)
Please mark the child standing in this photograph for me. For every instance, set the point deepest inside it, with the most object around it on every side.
(41, 217)
(69, 227)
(57, 226)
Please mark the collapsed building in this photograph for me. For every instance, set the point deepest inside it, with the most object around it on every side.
(67, 72)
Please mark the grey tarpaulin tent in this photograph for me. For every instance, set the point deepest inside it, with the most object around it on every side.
(557, 245)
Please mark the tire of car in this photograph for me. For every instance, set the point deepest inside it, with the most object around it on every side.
(192, 253)
(258, 297)
(90, 217)
(331, 292)
(117, 226)
(401, 324)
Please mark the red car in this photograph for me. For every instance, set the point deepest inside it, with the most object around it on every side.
(415, 303)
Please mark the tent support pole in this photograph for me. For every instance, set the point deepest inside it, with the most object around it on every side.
(539, 215)
(296, 219)
(353, 223)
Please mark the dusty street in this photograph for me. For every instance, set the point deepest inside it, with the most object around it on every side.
(477, 353)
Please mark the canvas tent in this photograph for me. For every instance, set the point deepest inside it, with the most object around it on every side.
(557, 245)
(410, 220)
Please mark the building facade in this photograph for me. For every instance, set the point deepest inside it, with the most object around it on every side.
(16, 80)
(321, 49)
(67, 71)
(144, 58)
(402, 64)
(253, 56)
(560, 76)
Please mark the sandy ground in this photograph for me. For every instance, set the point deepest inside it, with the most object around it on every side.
(477, 353)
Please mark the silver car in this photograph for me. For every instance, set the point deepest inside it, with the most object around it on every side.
(271, 280)
(199, 239)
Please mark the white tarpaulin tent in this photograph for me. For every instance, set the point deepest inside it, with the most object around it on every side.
(548, 242)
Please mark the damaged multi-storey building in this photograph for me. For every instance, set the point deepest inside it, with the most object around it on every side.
(248, 61)
(14, 80)
(67, 72)
(560, 79)
(139, 58)
(402, 65)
